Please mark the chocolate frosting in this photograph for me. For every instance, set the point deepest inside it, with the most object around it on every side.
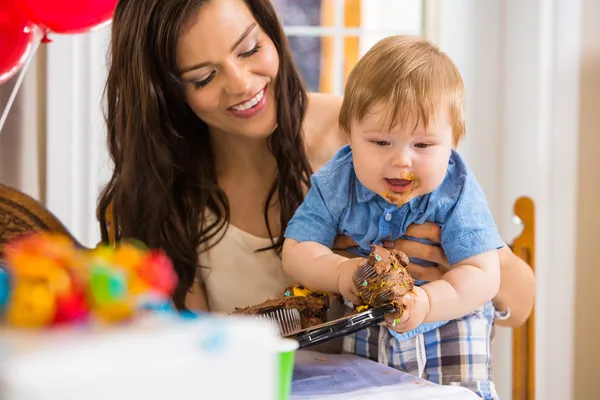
(392, 281)
(313, 306)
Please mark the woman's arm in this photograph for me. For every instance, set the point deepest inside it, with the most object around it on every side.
(517, 280)
(517, 289)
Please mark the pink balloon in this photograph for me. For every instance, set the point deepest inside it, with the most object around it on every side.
(16, 39)
(69, 16)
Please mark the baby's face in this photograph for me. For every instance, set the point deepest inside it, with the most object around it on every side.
(405, 162)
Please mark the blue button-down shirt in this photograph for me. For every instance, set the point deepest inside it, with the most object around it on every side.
(338, 204)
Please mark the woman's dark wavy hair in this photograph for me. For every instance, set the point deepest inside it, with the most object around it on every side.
(164, 176)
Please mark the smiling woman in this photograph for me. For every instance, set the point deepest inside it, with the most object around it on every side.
(231, 75)
(204, 126)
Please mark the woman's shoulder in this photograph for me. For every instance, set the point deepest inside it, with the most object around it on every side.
(325, 100)
(322, 116)
(322, 134)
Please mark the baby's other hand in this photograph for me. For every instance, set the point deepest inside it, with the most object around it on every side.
(416, 307)
(346, 285)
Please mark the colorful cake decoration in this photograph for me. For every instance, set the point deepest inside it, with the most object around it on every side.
(47, 280)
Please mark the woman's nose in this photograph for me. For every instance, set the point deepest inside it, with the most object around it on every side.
(238, 82)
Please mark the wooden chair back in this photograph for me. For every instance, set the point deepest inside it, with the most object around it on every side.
(523, 380)
(21, 214)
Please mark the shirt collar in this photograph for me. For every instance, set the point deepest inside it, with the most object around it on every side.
(363, 194)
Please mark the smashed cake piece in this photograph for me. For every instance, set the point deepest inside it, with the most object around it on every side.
(312, 306)
(388, 280)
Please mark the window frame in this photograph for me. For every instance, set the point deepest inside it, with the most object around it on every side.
(341, 37)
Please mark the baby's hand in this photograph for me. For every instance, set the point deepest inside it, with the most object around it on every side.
(416, 309)
(346, 285)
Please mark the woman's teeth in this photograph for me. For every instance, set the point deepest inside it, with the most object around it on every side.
(250, 103)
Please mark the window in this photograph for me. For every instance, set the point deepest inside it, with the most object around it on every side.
(327, 37)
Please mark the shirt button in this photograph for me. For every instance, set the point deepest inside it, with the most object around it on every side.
(388, 217)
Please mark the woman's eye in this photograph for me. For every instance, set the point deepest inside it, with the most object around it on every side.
(253, 51)
(421, 145)
(381, 143)
(204, 82)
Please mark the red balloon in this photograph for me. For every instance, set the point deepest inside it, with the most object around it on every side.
(16, 39)
(69, 16)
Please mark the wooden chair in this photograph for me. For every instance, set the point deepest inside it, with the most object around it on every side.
(21, 214)
(523, 380)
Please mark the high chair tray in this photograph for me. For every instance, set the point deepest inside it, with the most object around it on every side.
(341, 326)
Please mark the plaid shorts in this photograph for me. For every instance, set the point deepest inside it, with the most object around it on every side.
(457, 353)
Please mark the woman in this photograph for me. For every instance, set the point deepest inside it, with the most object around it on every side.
(214, 140)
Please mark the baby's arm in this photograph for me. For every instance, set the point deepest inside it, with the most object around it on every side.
(312, 265)
(318, 268)
(467, 286)
(309, 237)
(471, 241)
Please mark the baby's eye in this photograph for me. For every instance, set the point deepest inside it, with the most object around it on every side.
(381, 143)
(421, 145)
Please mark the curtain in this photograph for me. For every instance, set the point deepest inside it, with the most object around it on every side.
(22, 139)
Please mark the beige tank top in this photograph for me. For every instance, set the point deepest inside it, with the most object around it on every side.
(237, 275)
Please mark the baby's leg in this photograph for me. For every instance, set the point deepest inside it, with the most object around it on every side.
(377, 344)
(364, 343)
(459, 353)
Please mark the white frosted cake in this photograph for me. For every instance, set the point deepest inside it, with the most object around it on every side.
(154, 358)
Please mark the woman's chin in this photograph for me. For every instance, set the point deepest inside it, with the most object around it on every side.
(257, 130)
(259, 127)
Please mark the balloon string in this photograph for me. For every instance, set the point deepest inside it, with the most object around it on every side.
(17, 85)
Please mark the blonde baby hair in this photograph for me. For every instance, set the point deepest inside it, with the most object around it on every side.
(411, 77)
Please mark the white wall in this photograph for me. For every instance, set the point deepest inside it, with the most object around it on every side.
(587, 325)
(387, 16)
(76, 137)
(519, 61)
